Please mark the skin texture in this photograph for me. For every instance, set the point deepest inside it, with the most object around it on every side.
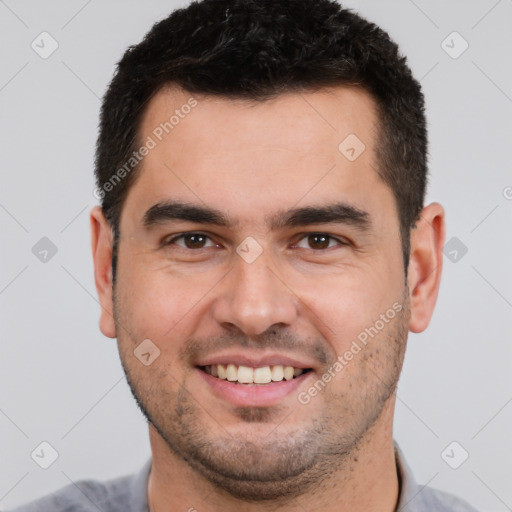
(298, 298)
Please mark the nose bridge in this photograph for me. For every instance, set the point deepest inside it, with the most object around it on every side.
(254, 297)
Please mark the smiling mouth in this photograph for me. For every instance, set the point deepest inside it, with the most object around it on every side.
(245, 375)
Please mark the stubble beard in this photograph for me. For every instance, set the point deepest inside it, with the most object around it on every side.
(287, 462)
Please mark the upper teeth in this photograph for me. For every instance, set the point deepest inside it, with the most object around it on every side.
(248, 375)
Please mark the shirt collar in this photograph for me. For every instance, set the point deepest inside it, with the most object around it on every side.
(410, 498)
(139, 490)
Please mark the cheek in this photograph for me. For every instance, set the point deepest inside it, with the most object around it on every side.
(343, 306)
(159, 304)
(141, 303)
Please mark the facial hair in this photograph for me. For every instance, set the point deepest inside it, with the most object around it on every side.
(286, 462)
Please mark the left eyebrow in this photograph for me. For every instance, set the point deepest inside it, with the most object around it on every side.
(335, 213)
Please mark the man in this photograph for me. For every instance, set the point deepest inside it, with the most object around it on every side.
(261, 251)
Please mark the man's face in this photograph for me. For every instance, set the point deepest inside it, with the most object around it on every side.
(263, 289)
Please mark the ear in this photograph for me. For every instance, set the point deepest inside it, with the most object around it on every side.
(425, 265)
(101, 244)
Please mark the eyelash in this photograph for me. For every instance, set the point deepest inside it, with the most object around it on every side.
(173, 240)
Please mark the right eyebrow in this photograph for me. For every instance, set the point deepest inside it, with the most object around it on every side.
(177, 210)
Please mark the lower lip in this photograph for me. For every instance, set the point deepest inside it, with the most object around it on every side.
(261, 395)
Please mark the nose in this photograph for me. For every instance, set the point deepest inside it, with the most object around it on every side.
(253, 298)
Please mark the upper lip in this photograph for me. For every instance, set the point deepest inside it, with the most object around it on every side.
(254, 360)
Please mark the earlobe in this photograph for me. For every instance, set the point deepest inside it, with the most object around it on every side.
(101, 245)
(425, 265)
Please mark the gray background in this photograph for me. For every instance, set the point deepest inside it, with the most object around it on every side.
(61, 380)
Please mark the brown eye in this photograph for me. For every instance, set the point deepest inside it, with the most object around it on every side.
(319, 241)
(191, 241)
(194, 240)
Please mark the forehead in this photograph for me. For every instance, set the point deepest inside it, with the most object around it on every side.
(251, 157)
(297, 122)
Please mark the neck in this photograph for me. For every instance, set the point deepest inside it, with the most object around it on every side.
(366, 481)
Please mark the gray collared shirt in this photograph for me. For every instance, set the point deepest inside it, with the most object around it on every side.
(420, 498)
(129, 494)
